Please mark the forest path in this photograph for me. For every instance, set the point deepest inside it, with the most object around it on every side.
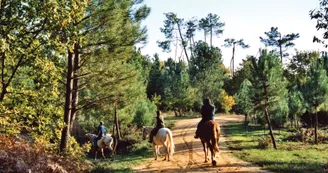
(189, 155)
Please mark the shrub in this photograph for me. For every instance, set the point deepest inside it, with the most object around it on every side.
(306, 136)
(264, 142)
(145, 113)
(17, 155)
(226, 101)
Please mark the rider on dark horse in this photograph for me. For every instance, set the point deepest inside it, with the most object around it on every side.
(159, 124)
(207, 113)
(100, 132)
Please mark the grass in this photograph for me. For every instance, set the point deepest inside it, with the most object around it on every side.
(291, 157)
(123, 162)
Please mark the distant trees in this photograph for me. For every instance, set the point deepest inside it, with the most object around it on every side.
(277, 40)
(231, 42)
(207, 73)
(315, 90)
(211, 25)
(171, 23)
(321, 16)
(244, 100)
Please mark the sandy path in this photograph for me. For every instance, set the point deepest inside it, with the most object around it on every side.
(189, 155)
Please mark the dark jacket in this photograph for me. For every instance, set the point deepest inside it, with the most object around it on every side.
(159, 122)
(207, 112)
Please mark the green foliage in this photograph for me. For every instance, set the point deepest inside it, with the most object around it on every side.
(299, 65)
(178, 93)
(232, 85)
(243, 98)
(231, 42)
(171, 23)
(320, 15)
(211, 24)
(315, 89)
(290, 157)
(207, 73)
(279, 41)
(296, 104)
(144, 113)
(268, 84)
(269, 89)
(155, 82)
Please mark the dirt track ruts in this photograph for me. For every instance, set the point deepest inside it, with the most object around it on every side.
(189, 155)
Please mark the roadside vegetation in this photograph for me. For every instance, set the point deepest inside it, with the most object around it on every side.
(295, 154)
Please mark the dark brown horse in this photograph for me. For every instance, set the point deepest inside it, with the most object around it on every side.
(209, 134)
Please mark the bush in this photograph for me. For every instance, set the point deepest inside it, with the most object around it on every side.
(307, 136)
(145, 113)
(226, 101)
(264, 142)
(17, 155)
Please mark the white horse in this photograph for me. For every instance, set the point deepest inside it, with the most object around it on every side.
(163, 138)
(106, 141)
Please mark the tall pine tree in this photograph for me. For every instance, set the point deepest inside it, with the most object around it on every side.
(268, 86)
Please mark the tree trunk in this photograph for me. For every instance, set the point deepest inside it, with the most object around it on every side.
(311, 121)
(183, 45)
(211, 34)
(118, 133)
(267, 116)
(233, 60)
(316, 127)
(270, 128)
(191, 53)
(75, 94)
(280, 47)
(246, 121)
(68, 100)
(3, 84)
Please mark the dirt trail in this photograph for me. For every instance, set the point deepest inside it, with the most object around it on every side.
(189, 155)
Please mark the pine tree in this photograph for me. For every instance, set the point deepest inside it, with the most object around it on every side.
(231, 42)
(243, 99)
(277, 40)
(315, 90)
(268, 86)
(207, 73)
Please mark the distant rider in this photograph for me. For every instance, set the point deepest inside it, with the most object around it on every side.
(101, 132)
(159, 124)
(207, 112)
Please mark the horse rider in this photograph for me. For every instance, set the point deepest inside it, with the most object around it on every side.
(100, 132)
(159, 124)
(207, 112)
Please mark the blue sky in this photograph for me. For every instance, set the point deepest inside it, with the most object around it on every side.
(243, 19)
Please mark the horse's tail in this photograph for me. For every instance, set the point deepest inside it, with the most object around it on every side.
(170, 143)
(214, 138)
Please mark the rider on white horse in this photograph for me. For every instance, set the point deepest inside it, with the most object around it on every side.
(159, 124)
(100, 132)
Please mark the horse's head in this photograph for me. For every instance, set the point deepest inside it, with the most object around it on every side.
(146, 131)
(88, 137)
